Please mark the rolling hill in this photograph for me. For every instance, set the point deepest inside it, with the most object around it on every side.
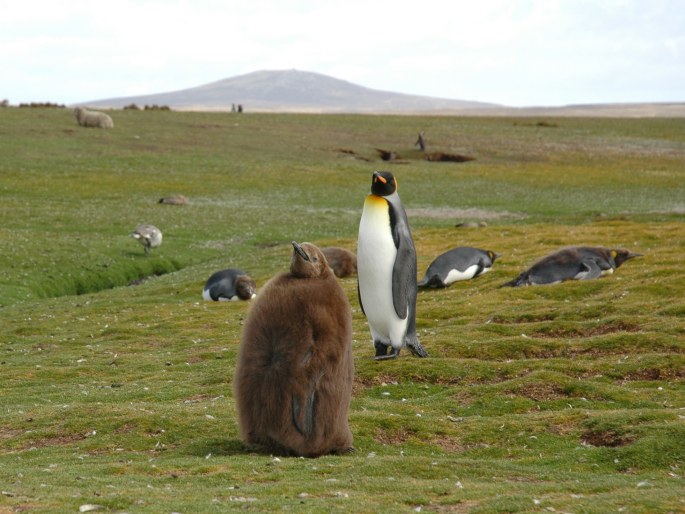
(292, 91)
(309, 92)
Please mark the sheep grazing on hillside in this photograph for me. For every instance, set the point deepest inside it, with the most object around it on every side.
(96, 119)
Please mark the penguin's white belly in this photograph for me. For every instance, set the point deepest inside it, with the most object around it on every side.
(208, 297)
(455, 275)
(376, 255)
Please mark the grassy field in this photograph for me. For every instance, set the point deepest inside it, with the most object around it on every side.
(115, 377)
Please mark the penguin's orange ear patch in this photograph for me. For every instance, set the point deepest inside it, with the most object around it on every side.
(395, 183)
(614, 253)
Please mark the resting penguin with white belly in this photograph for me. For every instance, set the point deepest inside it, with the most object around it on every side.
(386, 270)
(573, 263)
(229, 285)
(461, 263)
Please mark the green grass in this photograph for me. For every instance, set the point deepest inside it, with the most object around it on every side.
(116, 377)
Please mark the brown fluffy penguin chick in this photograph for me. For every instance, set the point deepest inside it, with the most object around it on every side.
(293, 380)
(342, 261)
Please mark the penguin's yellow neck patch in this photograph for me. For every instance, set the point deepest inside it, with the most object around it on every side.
(376, 200)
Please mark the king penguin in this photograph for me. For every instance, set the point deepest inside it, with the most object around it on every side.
(573, 263)
(386, 270)
(461, 263)
(229, 285)
(295, 371)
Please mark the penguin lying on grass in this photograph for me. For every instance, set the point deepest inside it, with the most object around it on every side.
(386, 270)
(342, 261)
(229, 285)
(573, 263)
(461, 263)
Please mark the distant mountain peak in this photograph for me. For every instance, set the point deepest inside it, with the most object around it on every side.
(293, 90)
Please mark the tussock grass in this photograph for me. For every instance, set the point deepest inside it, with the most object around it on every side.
(116, 377)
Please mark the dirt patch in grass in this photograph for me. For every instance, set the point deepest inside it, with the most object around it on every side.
(448, 443)
(609, 438)
(542, 391)
(524, 318)
(56, 440)
(654, 374)
(447, 157)
(353, 154)
(376, 380)
(453, 508)
(393, 437)
(125, 428)
(8, 433)
(583, 332)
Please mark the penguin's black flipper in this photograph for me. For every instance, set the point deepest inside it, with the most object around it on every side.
(423, 282)
(589, 269)
(521, 280)
(402, 274)
(432, 281)
(481, 267)
(359, 295)
(303, 405)
(216, 290)
(404, 269)
(303, 414)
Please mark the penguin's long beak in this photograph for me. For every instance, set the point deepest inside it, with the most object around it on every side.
(299, 250)
(377, 176)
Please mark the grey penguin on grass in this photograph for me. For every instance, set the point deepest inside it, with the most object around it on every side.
(293, 379)
(460, 263)
(573, 263)
(147, 235)
(229, 285)
(386, 270)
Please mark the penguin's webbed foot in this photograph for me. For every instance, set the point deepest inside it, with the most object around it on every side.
(415, 347)
(392, 355)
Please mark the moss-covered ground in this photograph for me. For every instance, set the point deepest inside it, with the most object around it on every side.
(115, 376)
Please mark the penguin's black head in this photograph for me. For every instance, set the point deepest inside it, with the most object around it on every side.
(383, 183)
(308, 261)
(620, 256)
(493, 255)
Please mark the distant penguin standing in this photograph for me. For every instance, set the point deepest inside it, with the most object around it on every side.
(573, 263)
(386, 270)
(342, 261)
(229, 285)
(293, 379)
(147, 235)
(461, 263)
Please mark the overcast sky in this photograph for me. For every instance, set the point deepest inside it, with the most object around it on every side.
(511, 52)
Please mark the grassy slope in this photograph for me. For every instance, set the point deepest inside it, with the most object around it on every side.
(564, 397)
